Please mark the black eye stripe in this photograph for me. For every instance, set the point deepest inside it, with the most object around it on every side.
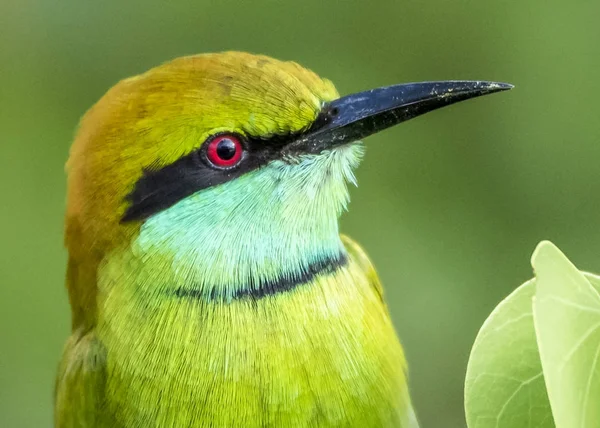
(158, 189)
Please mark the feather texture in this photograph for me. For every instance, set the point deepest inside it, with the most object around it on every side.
(170, 327)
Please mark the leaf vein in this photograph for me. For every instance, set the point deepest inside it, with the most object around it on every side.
(575, 305)
(588, 387)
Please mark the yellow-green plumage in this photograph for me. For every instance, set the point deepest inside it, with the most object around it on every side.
(325, 355)
(144, 353)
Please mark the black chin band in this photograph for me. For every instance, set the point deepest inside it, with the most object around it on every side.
(257, 290)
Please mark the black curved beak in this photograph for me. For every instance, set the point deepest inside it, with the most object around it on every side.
(359, 115)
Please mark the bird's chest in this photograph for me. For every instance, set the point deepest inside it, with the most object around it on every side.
(322, 355)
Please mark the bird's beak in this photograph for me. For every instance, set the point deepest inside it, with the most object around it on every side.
(359, 115)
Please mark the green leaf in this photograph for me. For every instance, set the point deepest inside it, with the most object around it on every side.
(506, 379)
(504, 384)
(567, 319)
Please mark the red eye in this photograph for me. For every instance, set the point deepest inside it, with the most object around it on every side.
(224, 151)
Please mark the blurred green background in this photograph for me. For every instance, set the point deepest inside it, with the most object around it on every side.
(450, 205)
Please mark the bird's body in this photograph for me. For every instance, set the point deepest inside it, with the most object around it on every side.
(208, 281)
(324, 354)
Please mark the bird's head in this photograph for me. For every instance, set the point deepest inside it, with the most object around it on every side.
(227, 169)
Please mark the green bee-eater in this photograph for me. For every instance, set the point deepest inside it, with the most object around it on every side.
(208, 281)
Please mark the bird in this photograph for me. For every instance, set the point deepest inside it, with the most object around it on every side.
(208, 281)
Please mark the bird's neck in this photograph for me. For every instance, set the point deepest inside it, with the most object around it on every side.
(260, 237)
(231, 260)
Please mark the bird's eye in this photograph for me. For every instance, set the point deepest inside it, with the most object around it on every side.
(224, 151)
